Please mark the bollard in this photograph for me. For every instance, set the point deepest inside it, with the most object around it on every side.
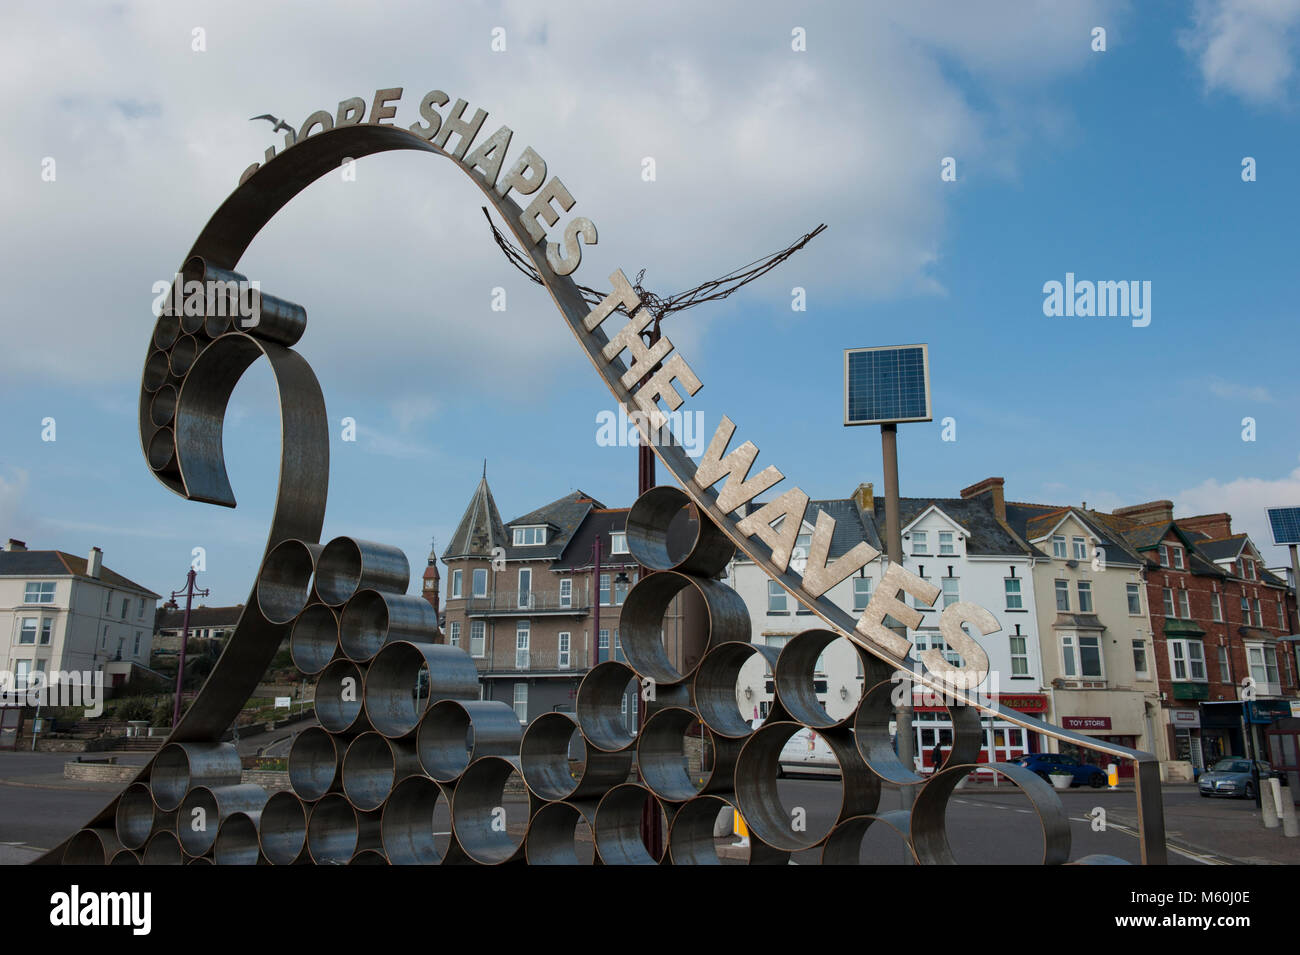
(741, 830)
(1290, 827)
(1268, 804)
(1112, 776)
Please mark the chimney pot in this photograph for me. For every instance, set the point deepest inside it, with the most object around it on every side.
(15, 545)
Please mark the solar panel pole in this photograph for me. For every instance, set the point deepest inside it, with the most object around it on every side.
(894, 550)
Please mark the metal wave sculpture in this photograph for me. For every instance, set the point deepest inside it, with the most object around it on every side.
(402, 731)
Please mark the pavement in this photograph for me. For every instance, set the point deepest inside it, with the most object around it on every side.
(38, 807)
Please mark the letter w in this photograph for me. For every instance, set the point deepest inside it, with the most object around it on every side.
(735, 466)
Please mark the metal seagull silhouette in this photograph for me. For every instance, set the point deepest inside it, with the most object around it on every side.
(277, 124)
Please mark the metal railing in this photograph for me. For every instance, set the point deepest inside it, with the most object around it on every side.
(528, 601)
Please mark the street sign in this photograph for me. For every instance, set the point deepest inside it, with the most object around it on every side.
(1285, 522)
(886, 384)
(283, 702)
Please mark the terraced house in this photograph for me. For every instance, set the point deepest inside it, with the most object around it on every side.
(1217, 615)
(525, 599)
(1097, 645)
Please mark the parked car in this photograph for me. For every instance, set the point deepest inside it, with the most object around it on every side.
(1231, 776)
(1042, 764)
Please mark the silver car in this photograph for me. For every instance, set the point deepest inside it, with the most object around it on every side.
(1231, 777)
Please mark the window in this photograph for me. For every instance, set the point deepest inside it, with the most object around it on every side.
(1177, 554)
(1063, 596)
(521, 702)
(776, 598)
(602, 646)
(931, 640)
(1259, 614)
(22, 673)
(47, 629)
(1081, 656)
(126, 606)
(1012, 585)
(457, 579)
(1187, 659)
(1134, 598)
(1263, 663)
(135, 651)
(861, 592)
(1085, 596)
(618, 542)
(139, 611)
(1140, 659)
(1281, 616)
(1058, 546)
(27, 630)
(525, 587)
(1184, 612)
(1168, 598)
(1225, 671)
(1245, 610)
(529, 536)
(917, 602)
(39, 592)
(1080, 548)
(1019, 654)
(1164, 555)
(121, 642)
(945, 543)
(618, 648)
(604, 591)
(522, 632)
(453, 633)
(1216, 607)
(920, 544)
(563, 658)
(566, 592)
(1250, 569)
(951, 594)
(103, 641)
(480, 582)
(476, 628)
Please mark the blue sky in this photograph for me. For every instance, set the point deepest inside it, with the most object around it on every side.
(1115, 165)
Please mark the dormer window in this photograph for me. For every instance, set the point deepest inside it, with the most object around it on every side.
(1177, 554)
(920, 542)
(529, 536)
(945, 543)
(1080, 545)
(1250, 569)
(618, 542)
(1058, 546)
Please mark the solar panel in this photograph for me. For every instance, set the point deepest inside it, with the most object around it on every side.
(887, 383)
(1285, 522)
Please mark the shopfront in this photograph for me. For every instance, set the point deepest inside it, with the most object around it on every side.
(1221, 732)
(1185, 726)
(1002, 741)
(1108, 716)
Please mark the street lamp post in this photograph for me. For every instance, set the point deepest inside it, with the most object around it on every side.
(189, 593)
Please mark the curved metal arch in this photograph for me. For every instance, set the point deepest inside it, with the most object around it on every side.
(224, 240)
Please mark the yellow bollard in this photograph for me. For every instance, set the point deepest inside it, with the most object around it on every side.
(739, 828)
(1112, 775)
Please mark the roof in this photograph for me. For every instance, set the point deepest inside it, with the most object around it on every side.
(200, 617)
(563, 517)
(988, 536)
(600, 523)
(1222, 548)
(56, 563)
(480, 528)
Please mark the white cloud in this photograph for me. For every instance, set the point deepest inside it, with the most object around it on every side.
(1234, 392)
(754, 144)
(1245, 498)
(1245, 47)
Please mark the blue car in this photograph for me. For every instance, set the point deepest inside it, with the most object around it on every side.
(1044, 763)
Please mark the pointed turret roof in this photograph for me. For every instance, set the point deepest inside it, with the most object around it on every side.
(480, 529)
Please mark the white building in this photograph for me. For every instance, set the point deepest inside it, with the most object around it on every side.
(64, 613)
(961, 545)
